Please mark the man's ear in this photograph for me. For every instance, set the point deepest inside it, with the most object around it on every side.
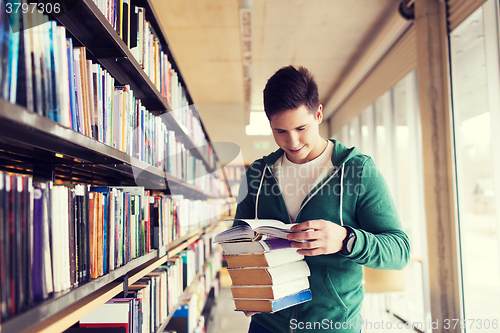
(319, 114)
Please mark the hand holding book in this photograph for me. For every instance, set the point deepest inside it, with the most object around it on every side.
(317, 237)
(260, 258)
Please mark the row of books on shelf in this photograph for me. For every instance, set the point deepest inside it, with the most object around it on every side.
(43, 71)
(143, 308)
(130, 23)
(267, 273)
(177, 289)
(191, 314)
(57, 237)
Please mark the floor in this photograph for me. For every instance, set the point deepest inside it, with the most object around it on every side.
(223, 318)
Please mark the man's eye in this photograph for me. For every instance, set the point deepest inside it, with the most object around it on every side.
(301, 129)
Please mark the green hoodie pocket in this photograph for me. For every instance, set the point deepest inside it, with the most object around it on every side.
(326, 305)
(335, 296)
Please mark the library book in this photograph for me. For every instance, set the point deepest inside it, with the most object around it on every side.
(254, 229)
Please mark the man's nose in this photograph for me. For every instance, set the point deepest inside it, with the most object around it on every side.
(293, 140)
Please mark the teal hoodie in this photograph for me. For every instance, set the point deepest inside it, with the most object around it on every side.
(365, 205)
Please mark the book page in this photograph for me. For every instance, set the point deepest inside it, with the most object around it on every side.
(261, 222)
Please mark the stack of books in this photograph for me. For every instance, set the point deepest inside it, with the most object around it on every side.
(267, 274)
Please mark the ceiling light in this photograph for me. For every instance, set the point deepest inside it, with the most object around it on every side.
(259, 124)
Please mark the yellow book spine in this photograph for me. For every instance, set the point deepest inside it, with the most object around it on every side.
(120, 32)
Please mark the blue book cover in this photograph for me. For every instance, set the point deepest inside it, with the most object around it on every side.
(271, 306)
(290, 300)
(71, 81)
(4, 56)
(50, 72)
(2, 19)
(15, 25)
(100, 189)
(54, 61)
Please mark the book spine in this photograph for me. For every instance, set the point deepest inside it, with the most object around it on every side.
(105, 238)
(47, 239)
(72, 239)
(86, 232)
(37, 267)
(18, 283)
(100, 240)
(92, 237)
(4, 248)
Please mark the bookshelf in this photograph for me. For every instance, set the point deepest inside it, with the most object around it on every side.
(87, 24)
(35, 145)
(59, 313)
(207, 302)
(58, 145)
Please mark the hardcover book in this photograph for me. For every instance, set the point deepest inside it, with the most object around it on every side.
(266, 305)
(270, 291)
(111, 314)
(269, 259)
(255, 246)
(267, 276)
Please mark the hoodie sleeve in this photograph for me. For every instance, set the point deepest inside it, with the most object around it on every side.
(380, 241)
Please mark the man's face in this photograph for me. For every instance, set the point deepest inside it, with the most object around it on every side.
(296, 132)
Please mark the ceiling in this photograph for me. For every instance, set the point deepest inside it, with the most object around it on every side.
(326, 36)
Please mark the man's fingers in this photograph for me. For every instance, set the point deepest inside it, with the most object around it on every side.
(311, 252)
(312, 224)
(306, 245)
(304, 235)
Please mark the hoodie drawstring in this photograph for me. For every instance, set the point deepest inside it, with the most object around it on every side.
(258, 192)
(341, 194)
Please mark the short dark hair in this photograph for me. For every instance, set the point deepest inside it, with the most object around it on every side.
(288, 89)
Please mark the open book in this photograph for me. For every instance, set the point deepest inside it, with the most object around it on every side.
(253, 230)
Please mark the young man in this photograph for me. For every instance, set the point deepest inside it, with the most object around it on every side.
(342, 209)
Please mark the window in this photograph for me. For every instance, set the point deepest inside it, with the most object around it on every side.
(389, 131)
(476, 89)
